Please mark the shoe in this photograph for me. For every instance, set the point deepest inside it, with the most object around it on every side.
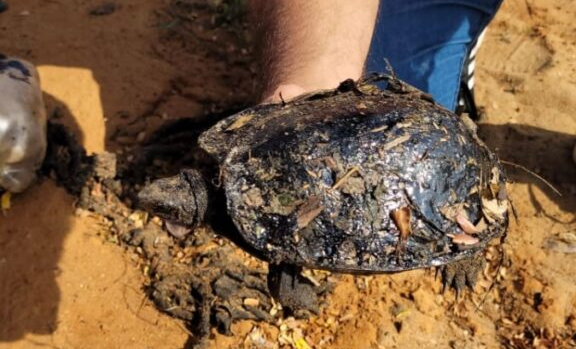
(466, 103)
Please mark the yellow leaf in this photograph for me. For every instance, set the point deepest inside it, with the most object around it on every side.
(6, 203)
(241, 121)
(301, 343)
(402, 314)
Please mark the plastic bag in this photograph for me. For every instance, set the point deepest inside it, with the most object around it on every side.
(22, 124)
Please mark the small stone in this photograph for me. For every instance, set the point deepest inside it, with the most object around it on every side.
(253, 197)
(140, 137)
(79, 212)
(251, 302)
(354, 185)
(105, 165)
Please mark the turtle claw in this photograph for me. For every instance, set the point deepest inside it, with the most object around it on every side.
(462, 274)
(292, 291)
(448, 272)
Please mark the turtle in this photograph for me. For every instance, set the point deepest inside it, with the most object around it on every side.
(358, 179)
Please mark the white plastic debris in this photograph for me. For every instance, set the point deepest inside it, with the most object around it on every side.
(22, 124)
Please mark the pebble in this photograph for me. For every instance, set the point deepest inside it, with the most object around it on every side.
(104, 9)
(140, 137)
(251, 302)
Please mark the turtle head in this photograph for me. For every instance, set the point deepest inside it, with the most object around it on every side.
(181, 199)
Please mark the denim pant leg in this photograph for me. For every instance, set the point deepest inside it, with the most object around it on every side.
(427, 41)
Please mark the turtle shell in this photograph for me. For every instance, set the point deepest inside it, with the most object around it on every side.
(359, 179)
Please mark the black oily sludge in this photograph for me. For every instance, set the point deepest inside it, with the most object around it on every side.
(315, 182)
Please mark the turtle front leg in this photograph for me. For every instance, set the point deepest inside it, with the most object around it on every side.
(292, 290)
(462, 273)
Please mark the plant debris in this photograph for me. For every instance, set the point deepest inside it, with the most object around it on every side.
(309, 211)
(401, 218)
(467, 226)
(464, 239)
(6, 201)
(241, 121)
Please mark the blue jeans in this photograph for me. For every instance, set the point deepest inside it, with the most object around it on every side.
(427, 41)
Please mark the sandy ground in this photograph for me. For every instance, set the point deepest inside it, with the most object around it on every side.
(113, 78)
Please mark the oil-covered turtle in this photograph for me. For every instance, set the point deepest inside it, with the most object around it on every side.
(356, 179)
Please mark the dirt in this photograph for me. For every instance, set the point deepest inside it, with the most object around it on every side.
(113, 78)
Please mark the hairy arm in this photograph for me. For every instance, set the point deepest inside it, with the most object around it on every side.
(308, 45)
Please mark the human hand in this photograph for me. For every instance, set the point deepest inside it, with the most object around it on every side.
(310, 45)
(22, 124)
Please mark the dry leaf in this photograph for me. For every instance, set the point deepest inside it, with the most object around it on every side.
(97, 190)
(495, 175)
(6, 201)
(241, 121)
(331, 163)
(308, 211)
(502, 192)
(367, 89)
(494, 210)
(481, 225)
(395, 142)
(307, 273)
(253, 197)
(466, 225)
(450, 212)
(401, 218)
(463, 239)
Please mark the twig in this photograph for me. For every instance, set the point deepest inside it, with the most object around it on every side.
(529, 8)
(495, 281)
(344, 178)
(533, 174)
(183, 328)
(389, 68)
